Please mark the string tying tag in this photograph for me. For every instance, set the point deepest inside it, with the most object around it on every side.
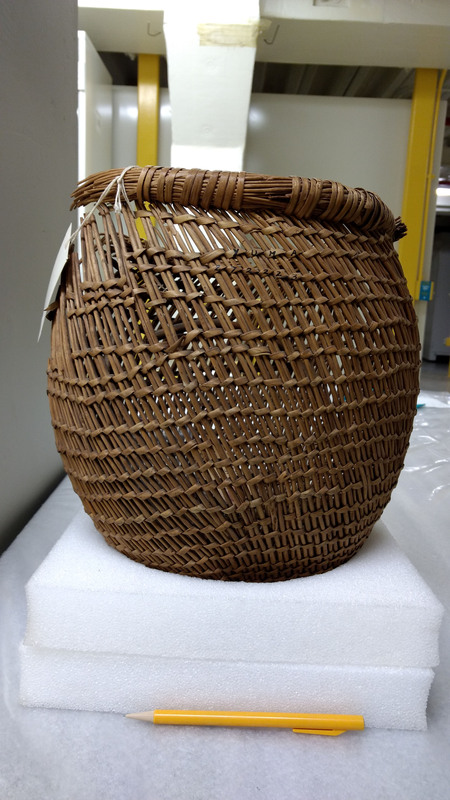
(69, 238)
(117, 202)
(121, 190)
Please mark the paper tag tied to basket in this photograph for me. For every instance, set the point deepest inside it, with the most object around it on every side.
(60, 263)
(69, 239)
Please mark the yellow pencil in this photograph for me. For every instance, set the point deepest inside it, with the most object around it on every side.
(321, 724)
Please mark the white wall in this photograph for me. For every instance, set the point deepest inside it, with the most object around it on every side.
(124, 127)
(38, 125)
(94, 110)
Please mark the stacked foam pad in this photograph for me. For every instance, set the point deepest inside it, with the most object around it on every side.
(105, 633)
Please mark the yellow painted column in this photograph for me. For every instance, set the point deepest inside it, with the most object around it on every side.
(148, 109)
(418, 175)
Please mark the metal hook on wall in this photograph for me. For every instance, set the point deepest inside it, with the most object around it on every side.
(275, 34)
(149, 28)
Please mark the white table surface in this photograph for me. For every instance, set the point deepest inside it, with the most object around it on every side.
(66, 755)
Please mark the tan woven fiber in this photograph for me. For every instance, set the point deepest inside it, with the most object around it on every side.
(234, 370)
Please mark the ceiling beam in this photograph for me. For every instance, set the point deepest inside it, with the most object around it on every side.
(355, 32)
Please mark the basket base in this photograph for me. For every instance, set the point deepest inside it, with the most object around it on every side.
(278, 563)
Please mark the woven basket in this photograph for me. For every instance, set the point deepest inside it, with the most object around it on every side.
(234, 370)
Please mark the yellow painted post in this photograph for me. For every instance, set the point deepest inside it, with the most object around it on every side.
(418, 174)
(148, 109)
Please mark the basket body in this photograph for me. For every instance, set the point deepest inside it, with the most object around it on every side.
(234, 371)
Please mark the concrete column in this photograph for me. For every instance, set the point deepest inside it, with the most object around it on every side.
(210, 53)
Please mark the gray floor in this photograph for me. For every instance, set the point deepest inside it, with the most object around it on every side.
(434, 376)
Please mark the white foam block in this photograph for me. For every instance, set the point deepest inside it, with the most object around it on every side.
(374, 611)
(386, 697)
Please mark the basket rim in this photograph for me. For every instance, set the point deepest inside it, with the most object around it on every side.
(302, 198)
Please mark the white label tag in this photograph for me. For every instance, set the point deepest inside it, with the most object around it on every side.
(58, 267)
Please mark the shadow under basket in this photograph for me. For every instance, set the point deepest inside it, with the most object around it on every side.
(234, 369)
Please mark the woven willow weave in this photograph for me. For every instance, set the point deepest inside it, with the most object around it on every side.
(234, 370)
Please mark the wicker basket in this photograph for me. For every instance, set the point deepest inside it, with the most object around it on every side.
(234, 370)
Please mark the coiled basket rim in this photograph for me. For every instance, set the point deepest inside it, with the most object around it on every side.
(294, 196)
